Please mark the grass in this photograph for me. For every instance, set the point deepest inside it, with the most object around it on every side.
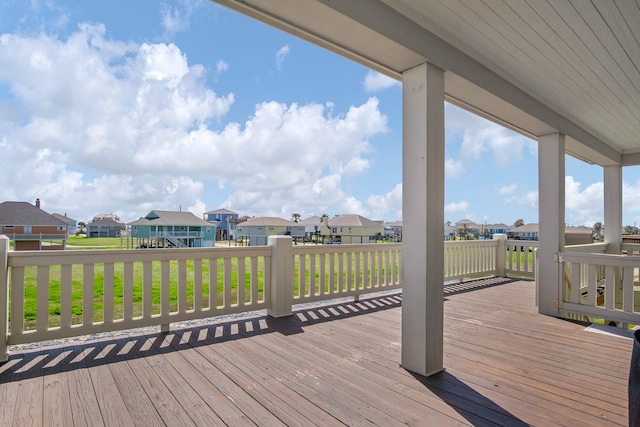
(213, 292)
(84, 243)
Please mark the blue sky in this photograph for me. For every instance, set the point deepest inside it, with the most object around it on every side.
(124, 107)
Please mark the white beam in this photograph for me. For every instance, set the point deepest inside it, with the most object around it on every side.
(551, 184)
(613, 208)
(423, 219)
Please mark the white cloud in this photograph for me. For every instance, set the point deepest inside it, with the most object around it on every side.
(386, 204)
(281, 54)
(583, 206)
(126, 128)
(351, 205)
(456, 207)
(176, 18)
(528, 199)
(221, 66)
(453, 168)
(376, 82)
(508, 189)
(480, 137)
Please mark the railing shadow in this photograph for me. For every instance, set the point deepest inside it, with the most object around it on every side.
(481, 283)
(48, 358)
(473, 406)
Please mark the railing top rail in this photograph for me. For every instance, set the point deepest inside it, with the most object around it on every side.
(471, 242)
(588, 248)
(600, 259)
(36, 258)
(631, 246)
(348, 247)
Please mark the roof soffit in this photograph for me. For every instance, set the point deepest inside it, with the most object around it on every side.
(393, 35)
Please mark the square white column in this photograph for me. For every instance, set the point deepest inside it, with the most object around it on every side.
(423, 219)
(613, 208)
(551, 184)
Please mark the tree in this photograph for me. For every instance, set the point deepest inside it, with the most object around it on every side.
(462, 232)
(324, 218)
(519, 222)
(597, 231)
(295, 217)
(81, 227)
(629, 229)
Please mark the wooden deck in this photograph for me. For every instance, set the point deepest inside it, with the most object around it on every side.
(331, 365)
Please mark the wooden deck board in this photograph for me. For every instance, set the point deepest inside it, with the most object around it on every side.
(333, 364)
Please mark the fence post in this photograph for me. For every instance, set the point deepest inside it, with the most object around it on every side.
(4, 297)
(281, 276)
(501, 254)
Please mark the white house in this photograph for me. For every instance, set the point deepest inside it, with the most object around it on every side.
(352, 228)
(256, 231)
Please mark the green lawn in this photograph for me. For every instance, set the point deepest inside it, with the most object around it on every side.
(84, 243)
(30, 291)
(214, 289)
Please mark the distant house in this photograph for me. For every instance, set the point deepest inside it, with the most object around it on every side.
(312, 227)
(497, 229)
(524, 232)
(256, 231)
(163, 229)
(352, 228)
(393, 230)
(225, 221)
(105, 226)
(31, 228)
(449, 232)
(471, 229)
(72, 223)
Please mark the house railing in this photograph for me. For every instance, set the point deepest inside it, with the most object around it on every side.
(600, 285)
(38, 236)
(177, 234)
(72, 293)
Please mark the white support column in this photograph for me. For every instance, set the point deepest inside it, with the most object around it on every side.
(423, 219)
(551, 183)
(613, 208)
(501, 254)
(281, 276)
(4, 297)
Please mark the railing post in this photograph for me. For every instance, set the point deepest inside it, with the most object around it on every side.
(501, 254)
(281, 276)
(4, 297)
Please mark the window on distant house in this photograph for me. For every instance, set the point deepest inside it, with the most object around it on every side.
(27, 229)
(349, 230)
(334, 230)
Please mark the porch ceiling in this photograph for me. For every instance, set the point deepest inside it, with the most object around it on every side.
(535, 66)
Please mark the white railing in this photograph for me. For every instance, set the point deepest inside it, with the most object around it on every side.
(129, 289)
(71, 293)
(177, 233)
(520, 258)
(333, 271)
(470, 258)
(600, 285)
